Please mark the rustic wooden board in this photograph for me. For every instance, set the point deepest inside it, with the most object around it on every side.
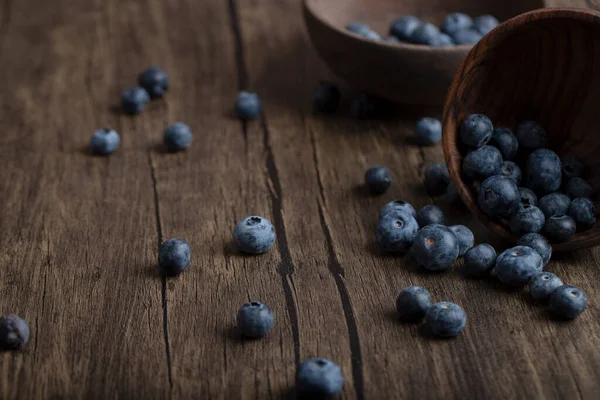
(79, 233)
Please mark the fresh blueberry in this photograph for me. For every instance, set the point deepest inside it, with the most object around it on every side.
(583, 212)
(378, 179)
(404, 27)
(476, 130)
(177, 137)
(543, 172)
(105, 141)
(528, 197)
(326, 98)
(255, 319)
(435, 247)
(437, 179)
(445, 319)
(430, 214)
(577, 187)
(559, 228)
(372, 35)
(542, 285)
(155, 80)
(134, 100)
(451, 196)
(254, 235)
(505, 141)
(572, 167)
(392, 39)
(485, 23)
(466, 36)
(527, 219)
(456, 22)
(412, 304)
(531, 136)
(567, 302)
(482, 163)
(516, 266)
(247, 105)
(428, 131)
(511, 170)
(14, 332)
(398, 205)
(396, 231)
(555, 204)
(427, 34)
(359, 28)
(539, 244)
(319, 378)
(499, 197)
(464, 236)
(445, 40)
(174, 257)
(366, 106)
(480, 260)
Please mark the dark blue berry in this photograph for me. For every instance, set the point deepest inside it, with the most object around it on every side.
(398, 205)
(559, 228)
(555, 204)
(404, 27)
(14, 332)
(255, 319)
(542, 285)
(319, 378)
(177, 137)
(583, 212)
(527, 219)
(482, 163)
(531, 136)
(485, 23)
(396, 231)
(435, 247)
(248, 105)
(539, 244)
(505, 141)
(528, 197)
(466, 36)
(499, 197)
(511, 170)
(543, 172)
(567, 302)
(359, 28)
(572, 167)
(174, 257)
(155, 80)
(445, 319)
(445, 40)
(480, 260)
(464, 236)
(428, 131)
(455, 22)
(451, 196)
(412, 304)
(577, 187)
(516, 266)
(254, 235)
(392, 39)
(326, 98)
(105, 141)
(430, 214)
(134, 100)
(476, 130)
(437, 179)
(378, 179)
(427, 34)
(372, 35)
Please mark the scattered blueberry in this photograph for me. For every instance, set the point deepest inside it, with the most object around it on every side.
(577, 187)
(404, 27)
(445, 319)
(572, 167)
(105, 141)
(499, 197)
(528, 197)
(511, 170)
(134, 100)
(485, 23)
(466, 36)
(445, 40)
(543, 172)
(396, 231)
(435, 247)
(326, 98)
(254, 235)
(14, 332)
(583, 212)
(542, 285)
(539, 244)
(155, 80)
(516, 266)
(397, 205)
(174, 257)
(482, 163)
(505, 141)
(177, 137)
(476, 130)
(319, 378)
(372, 35)
(567, 302)
(559, 228)
(430, 214)
(428, 131)
(527, 219)
(531, 136)
(464, 236)
(412, 304)
(555, 204)
(358, 28)
(437, 179)
(247, 105)
(480, 260)
(455, 22)
(427, 34)
(378, 179)
(255, 319)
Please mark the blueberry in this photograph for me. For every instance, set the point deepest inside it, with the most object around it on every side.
(528, 197)
(319, 378)
(427, 34)
(466, 36)
(372, 35)
(14, 332)
(485, 23)
(326, 98)
(155, 80)
(437, 179)
(105, 141)
(247, 105)
(572, 167)
(397, 205)
(505, 141)
(511, 170)
(392, 39)
(567, 302)
(516, 266)
(445, 40)
(254, 235)
(527, 219)
(428, 131)
(404, 27)
(542, 285)
(430, 214)
(464, 236)
(498, 197)
(539, 244)
(480, 260)
(359, 28)
(134, 100)
(559, 228)
(577, 187)
(451, 196)
(555, 204)
(177, 137)
(583, 212)
(543, 172)
(531, 136)
(476, 130)
(378, 179)
(396, 231)
(412, 304)
(456, 22)
(366, 106)
(482, 163)
(255, 319)
(435, 247)
(174, 257)
(445, 319)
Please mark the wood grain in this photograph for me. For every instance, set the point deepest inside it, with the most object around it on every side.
(80, 233)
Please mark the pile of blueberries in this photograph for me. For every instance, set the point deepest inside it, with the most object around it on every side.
(457, 29)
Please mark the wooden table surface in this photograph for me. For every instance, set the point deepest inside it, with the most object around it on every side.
(79, 234)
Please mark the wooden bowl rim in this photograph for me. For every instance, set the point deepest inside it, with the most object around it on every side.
(452, 155)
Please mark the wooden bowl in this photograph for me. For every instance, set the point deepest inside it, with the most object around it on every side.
(409, 74)
(539, 66)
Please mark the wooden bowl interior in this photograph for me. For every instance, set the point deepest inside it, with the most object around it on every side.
(543, 67)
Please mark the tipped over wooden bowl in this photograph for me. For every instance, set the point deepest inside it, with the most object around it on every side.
(540, 66)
